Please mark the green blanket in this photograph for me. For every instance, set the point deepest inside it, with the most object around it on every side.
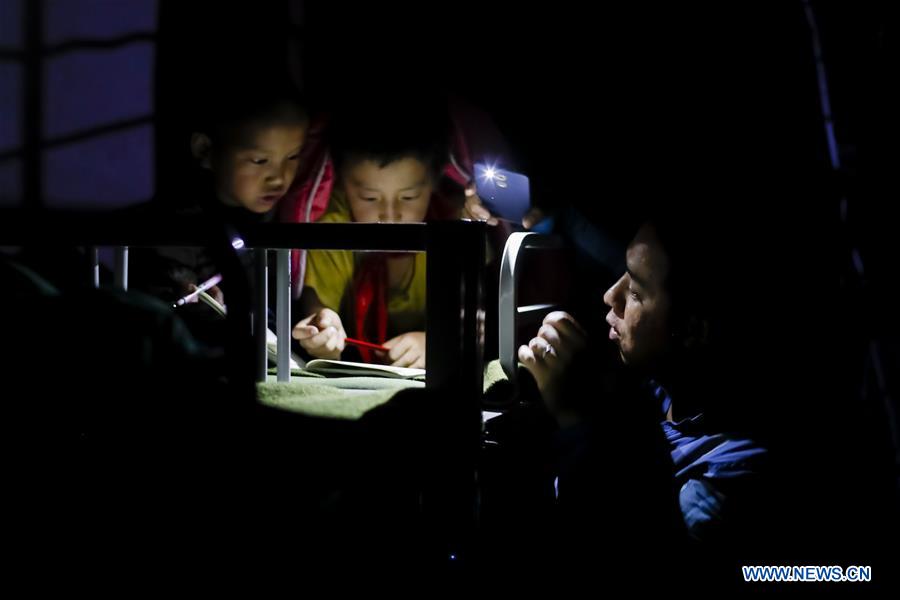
(344, 397)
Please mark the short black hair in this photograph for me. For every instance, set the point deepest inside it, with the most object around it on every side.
(687, 238)
(385, 133)
(722, 257)
(224, 119)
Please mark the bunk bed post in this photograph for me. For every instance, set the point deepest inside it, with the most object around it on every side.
(455, 345)
(120, 264)
(260, 311)
(509, 309)
(454, 354)
(94, 253)
(283, 312)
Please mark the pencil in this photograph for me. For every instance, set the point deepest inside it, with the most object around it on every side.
(366, 344)
(200, 288)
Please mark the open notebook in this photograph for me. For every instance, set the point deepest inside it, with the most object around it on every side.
(344, 368)
(296, 362)
(324, 367)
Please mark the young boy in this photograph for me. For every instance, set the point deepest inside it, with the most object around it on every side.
(388, 164)
(252, 150)
(246, 150)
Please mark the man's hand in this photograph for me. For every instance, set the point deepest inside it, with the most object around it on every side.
(548, 357)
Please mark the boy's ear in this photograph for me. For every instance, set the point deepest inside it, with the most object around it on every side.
(201, 148)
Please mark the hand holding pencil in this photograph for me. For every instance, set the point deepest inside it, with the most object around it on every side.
(210, 286)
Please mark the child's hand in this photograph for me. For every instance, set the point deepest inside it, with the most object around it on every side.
(534, 216)
(407, 350)
(216, 294)
(548, 357)
(474, 209)
(214, 291)
(321, 334)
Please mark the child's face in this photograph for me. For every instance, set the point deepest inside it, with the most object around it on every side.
(256, 170)
(396, 193)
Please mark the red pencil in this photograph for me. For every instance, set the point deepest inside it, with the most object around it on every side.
(366, 344)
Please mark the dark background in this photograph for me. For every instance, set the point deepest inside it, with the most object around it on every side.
(605, 108)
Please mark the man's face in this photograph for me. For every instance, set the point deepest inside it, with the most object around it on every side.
(256, 171)
(639, 303)
(399, 192)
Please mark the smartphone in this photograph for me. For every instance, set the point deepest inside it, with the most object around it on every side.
(505, 193)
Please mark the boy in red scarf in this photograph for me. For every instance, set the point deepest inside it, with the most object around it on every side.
(388, 164)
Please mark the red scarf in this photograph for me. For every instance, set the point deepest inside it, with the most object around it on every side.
(370, 287)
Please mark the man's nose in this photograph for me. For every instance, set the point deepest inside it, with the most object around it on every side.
(608, 296)
(613, 296)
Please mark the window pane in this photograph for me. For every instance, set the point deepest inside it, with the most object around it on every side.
(97, 19)
(91, 88)
(10, 182)
(10, 105)
(109, 171)
(11, 24)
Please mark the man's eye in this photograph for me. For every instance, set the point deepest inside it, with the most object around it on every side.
(634, 294)
(259, 161)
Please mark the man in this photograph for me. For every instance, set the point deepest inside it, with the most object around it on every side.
(663, 321)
